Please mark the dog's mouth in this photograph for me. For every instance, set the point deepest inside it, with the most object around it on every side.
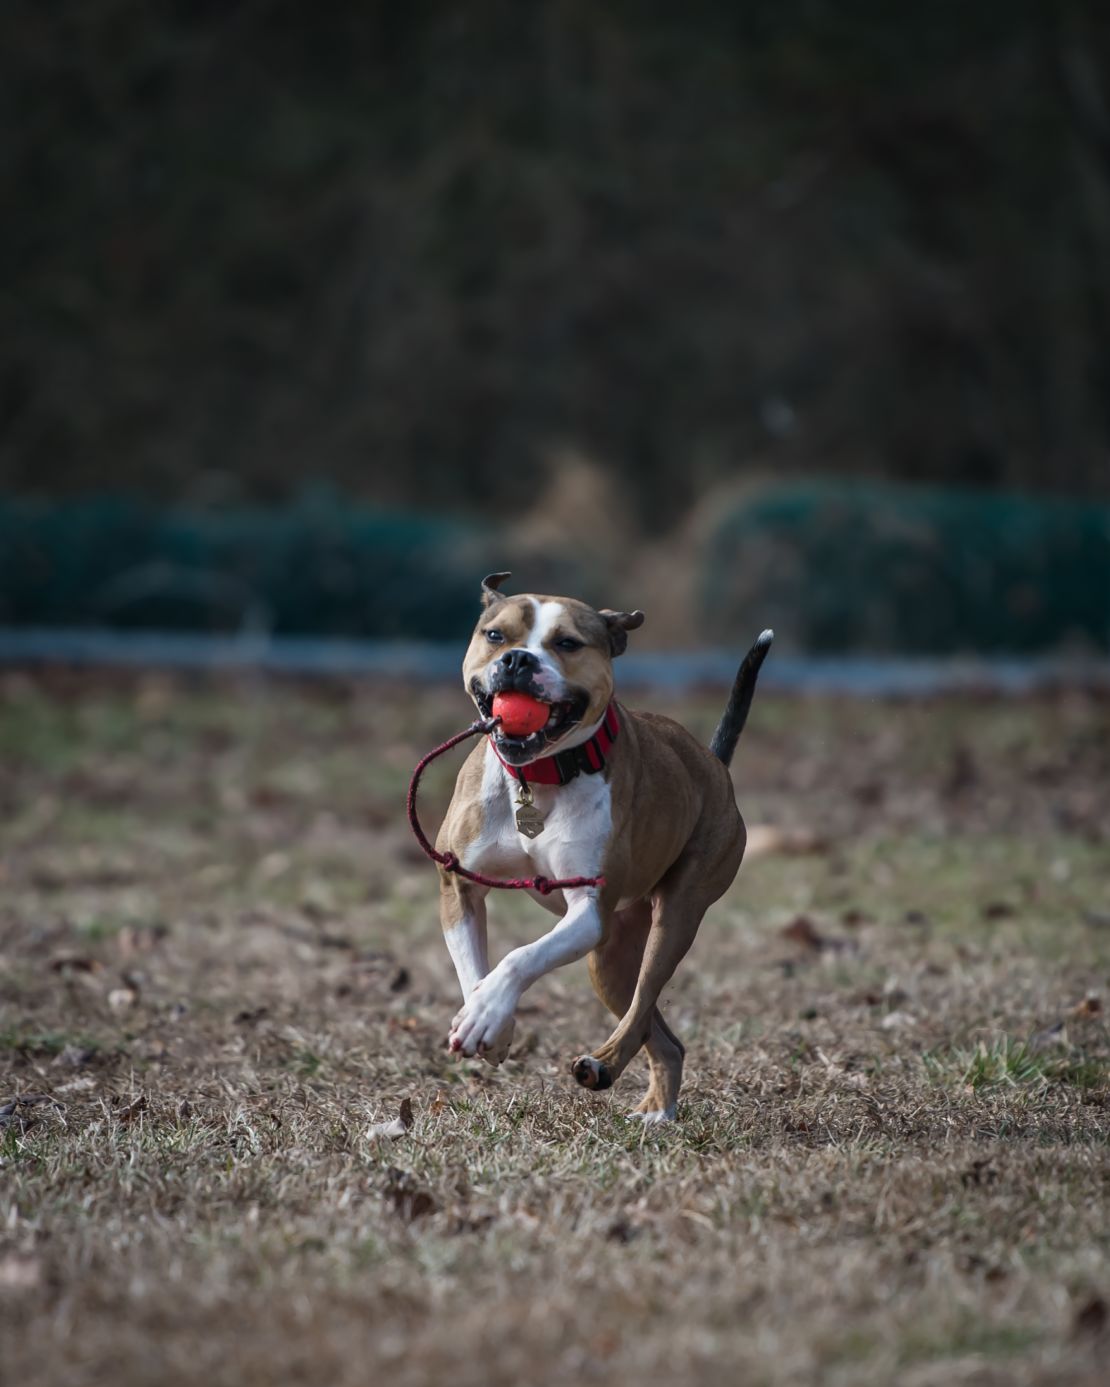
(564, 714)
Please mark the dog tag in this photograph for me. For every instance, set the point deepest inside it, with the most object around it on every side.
(529, 820)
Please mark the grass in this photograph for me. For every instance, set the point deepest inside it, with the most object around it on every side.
(220, 965)
(1019, 1063)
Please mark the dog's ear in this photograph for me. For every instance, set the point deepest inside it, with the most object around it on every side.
(490, 583)
(619, 624)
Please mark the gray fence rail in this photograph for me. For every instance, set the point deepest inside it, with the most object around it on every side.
(678, 670)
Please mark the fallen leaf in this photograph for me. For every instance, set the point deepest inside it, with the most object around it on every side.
(1091, 1317)
(75, 963)
(409, 1201)
(896, 1019)
(184, 1110)
(979, 1172)
(1088, 1007)
(801, 930)
(397, 1127)
(250, 1015)
(997, 910)
(132, 1110)
(869, 792)
(400, 980)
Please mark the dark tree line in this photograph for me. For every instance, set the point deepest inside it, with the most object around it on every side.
(411, 248)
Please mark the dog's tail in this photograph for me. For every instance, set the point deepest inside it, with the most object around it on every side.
(735, 715)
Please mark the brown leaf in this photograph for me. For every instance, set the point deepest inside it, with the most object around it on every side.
(801, 930)
(1088, 1007)
(997, 910)
(184, 1110)
(979, 1172)
(75, 963)
(1091, 1317)
(132, 1110)
(416, 1205)
(397, 1128)
(409, 1201)
(250, 1015)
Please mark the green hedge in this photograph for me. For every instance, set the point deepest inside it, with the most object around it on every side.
(319, 567)
(835, 568)
(886, 568)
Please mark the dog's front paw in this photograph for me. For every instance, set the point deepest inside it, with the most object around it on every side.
(499, 1050)
(484, 1026)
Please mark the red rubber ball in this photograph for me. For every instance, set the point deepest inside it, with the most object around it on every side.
(520, 713)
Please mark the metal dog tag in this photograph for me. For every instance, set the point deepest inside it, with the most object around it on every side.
(529, 820)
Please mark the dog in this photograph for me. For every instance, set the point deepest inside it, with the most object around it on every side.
(599, 790)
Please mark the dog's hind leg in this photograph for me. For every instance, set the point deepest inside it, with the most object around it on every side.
(680, 901)
(614, 968)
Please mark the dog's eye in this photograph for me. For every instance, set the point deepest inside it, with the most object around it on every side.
(494, 636)
(568, 643)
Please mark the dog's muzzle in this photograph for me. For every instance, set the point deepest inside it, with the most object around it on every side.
(515, 672)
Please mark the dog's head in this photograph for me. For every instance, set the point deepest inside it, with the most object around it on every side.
(557, 649)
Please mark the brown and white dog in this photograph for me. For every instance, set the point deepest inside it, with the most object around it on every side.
(605, 791)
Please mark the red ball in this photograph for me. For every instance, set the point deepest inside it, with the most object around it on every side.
(520, 713)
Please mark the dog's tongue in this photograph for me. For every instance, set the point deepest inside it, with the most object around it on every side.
(520, 713)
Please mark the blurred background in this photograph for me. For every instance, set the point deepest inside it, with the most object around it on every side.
(790, 313)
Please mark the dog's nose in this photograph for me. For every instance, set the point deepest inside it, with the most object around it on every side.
(517, 660)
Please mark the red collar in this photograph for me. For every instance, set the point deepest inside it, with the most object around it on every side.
(560, 769)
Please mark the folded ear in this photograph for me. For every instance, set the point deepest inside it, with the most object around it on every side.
(619, 624)
(490, 583)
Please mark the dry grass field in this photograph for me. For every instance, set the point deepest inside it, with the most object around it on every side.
(220, 965)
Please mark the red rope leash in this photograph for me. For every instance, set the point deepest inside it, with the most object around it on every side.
(449, 862)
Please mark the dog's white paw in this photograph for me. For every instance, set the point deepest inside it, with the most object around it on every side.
(485, 1025)
(499, 1050)
(655, 1118)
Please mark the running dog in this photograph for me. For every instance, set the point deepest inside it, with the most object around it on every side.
(598, 790)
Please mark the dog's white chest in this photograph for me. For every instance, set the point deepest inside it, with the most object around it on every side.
(577, 821)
